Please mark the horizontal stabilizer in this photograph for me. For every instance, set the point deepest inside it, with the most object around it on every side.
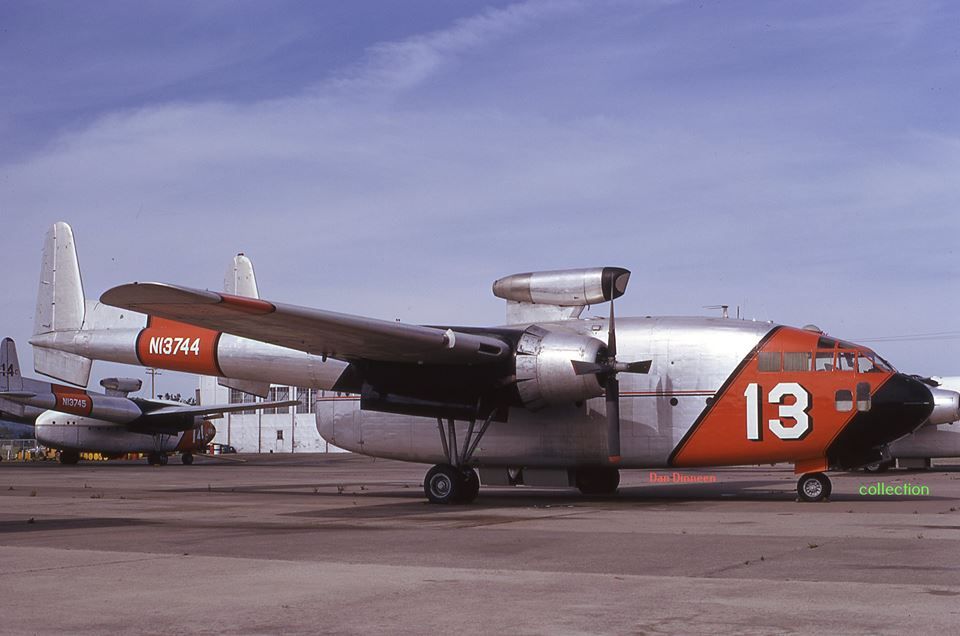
(17, 395)
(221, 408)
(66, 367)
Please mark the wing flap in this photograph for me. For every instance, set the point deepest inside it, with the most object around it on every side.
(314, 331)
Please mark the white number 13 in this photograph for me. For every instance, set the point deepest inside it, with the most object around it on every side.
(797, 411)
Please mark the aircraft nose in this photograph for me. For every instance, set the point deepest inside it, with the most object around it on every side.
(900, 406)
(946, 406)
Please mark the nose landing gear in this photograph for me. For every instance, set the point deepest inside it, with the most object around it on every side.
(814, 487)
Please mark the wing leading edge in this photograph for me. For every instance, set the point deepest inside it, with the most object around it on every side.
(315, 331)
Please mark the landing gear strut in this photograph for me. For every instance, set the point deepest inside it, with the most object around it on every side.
(814, 487)
(455, 481)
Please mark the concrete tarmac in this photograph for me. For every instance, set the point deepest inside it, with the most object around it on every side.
(348, 545)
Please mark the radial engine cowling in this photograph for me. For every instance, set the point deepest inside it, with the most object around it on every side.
(545, 374)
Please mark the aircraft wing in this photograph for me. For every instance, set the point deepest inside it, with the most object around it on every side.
(314, 331)
(218, 408)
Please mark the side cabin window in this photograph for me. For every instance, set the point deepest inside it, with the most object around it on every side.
(768, 361)
(796, 360)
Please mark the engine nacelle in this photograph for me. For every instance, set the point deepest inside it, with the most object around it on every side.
(545, 374)
(565, 287)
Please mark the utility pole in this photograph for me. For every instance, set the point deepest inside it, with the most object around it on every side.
(153, 373)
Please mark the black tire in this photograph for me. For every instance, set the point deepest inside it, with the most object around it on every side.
(69, 457)
(163, 459)
(814, 487)
(599, 480)
(880, 467)
(444, 484)
(186, 459)
(471, 486)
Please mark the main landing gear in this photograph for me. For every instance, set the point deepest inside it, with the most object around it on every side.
(599, 480)
(814, 487)
(445, 484)
(157, 459)
(455, 481)
(69, 457)
(186, 459)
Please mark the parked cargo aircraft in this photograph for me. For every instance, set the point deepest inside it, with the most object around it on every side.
(547, 397)
(73, 420)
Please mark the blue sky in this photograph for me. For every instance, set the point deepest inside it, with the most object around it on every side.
(393, 159)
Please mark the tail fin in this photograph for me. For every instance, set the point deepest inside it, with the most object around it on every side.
(240, 280)
(60, 307)
(10, 378)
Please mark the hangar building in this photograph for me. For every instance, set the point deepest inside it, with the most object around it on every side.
(291, 429)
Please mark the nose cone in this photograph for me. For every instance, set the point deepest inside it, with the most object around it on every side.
(898, 408)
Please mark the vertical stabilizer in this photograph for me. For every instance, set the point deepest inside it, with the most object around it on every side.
(60, 307)
(241, 281)
(10, 378)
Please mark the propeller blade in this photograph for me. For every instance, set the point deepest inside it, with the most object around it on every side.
(587, 368)
(611, 335)
(635, 367)
(613, 419)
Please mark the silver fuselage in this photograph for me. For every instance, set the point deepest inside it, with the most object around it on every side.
(692, 357)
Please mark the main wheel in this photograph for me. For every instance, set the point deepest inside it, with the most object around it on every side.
(814, 487)
(444, 484)
(69, 457)
(164, 459)
(879, 467)
(186, 459)
(471, 486)
(599, 480)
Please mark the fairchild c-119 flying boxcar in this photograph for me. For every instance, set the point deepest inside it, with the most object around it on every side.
(547, 394)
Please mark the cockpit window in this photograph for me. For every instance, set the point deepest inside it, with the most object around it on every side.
(865, 364)
(823, 361)
(826, 343)
(846, 360)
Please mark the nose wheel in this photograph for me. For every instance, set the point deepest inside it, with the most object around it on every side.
(814, 487)
(445, 484)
